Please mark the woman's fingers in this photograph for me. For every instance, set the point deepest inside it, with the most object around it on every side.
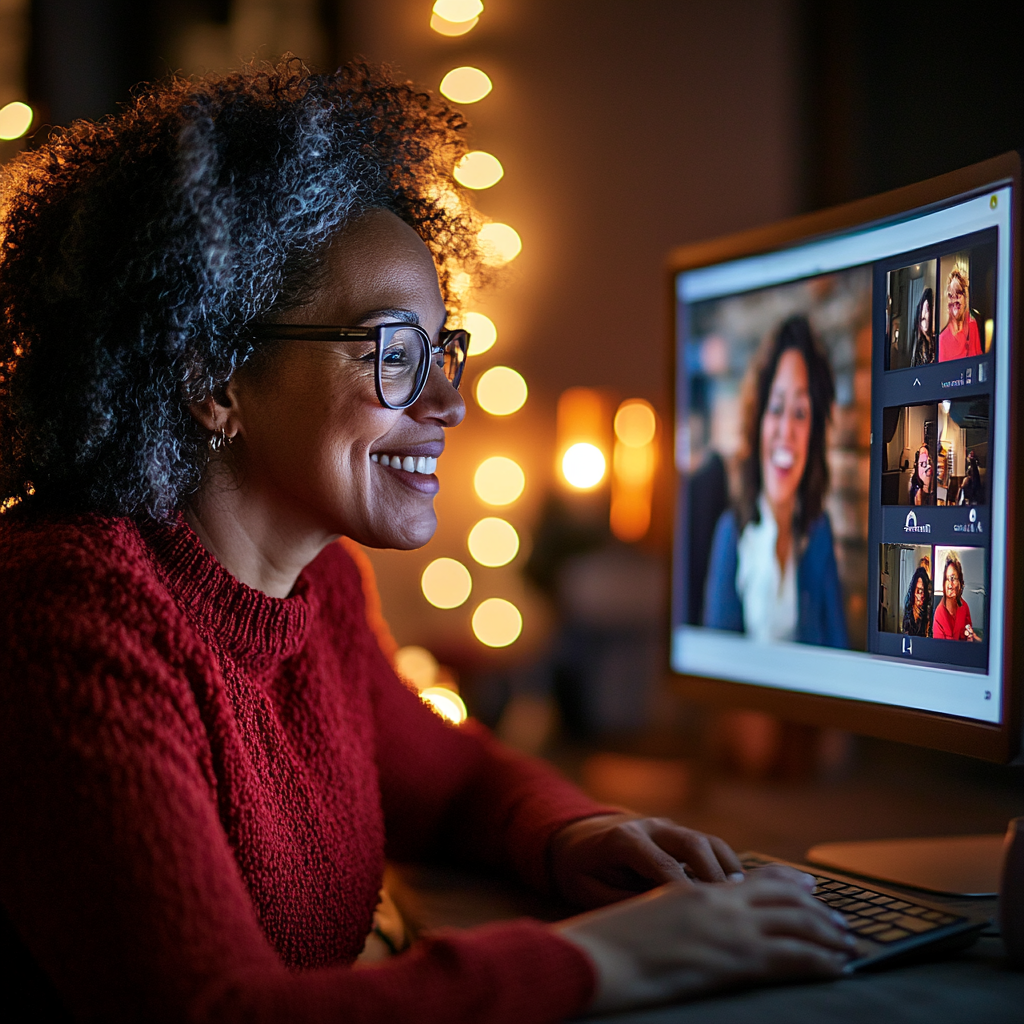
(794, 958)
(801, 923)
(708, 857)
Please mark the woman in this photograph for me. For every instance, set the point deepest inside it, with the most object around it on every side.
(917, 608)
(922, 484)
(224, 349)
(773, 572)
(953, 616)
(922, 348)
(960, 338)
(972, 490)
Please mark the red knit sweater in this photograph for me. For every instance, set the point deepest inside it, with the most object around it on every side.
(196, 783)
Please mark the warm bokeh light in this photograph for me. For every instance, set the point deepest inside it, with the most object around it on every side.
(458, 10)
(416, 665)
(583, 465)
(478, 169)
(630, 515)
(634, 460)
(499, 480)
(446, 583)
(482, 332)
(500, 391)
(447, 703)
(493, 542)
(497, 622)
(635, 423)
(465, 85)
(451, 28)
(499, 244)
(15, 120)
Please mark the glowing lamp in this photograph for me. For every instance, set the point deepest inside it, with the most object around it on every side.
(583, 465)
(465, 85)
(497, 622)
(493, 542)
(499, 480)
(446, 583)
(500, 391)
(15, 120)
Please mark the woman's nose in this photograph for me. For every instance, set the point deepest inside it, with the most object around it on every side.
(439, 401)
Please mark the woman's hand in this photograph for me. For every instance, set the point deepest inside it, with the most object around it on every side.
(599, 860)
(686, 939)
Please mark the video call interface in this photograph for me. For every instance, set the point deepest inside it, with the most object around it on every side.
(835, 450)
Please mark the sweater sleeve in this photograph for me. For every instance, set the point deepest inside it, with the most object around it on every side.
(119, 878)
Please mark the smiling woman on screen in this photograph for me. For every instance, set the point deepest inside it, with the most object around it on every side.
(772, 572)
(225, 348)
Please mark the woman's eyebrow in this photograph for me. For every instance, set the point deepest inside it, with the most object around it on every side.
(405, 316)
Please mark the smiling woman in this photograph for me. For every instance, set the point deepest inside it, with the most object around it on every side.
(224, 348)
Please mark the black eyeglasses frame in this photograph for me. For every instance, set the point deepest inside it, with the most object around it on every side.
(453, 343)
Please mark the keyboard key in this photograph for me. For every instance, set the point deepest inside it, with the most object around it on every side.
(891, 935)
(853, 922)
(832, 886)
(889, 915)
(932, 915)
(856, 908)
(914, 910)
(882, 901)
(837, 902)
(850, 890)
(871, 928)
(915, 924)
(872, 911)
(899, 905)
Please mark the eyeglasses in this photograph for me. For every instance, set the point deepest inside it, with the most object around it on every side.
(402, 354)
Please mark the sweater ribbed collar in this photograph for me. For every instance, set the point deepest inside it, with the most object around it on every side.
(250, 627)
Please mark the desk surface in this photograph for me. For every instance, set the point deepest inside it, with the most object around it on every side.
(968, 987)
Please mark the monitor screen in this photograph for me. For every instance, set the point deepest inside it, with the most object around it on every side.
(843, 431)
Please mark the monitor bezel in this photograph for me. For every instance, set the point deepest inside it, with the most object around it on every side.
(1003, 742)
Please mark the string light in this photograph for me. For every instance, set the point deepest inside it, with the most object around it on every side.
(465, 85)
(478, 169)
(500, 391)
(417, 666)
(446, 583)
(493, 542)
(635, 423)
(15, 120)
(482, 332)
(497, 622)
(447, 703)
(499, 480)
(499, 244)
(455, 17)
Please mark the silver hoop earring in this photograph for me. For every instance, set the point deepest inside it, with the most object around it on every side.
(218, 440)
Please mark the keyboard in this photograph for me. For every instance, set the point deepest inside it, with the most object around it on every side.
(886, 925)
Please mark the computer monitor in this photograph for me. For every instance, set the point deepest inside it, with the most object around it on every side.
(847, 443)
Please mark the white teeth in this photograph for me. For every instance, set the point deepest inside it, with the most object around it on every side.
(424, 464)
(783, 458)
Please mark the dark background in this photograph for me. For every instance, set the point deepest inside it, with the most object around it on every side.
(891, 92)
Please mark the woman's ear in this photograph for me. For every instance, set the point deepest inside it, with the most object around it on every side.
(218, 413)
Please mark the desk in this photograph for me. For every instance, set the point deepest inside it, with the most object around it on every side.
(971, 987)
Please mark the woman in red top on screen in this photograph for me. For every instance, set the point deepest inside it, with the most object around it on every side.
(953, 617)
(961, 337)
(224, 348)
